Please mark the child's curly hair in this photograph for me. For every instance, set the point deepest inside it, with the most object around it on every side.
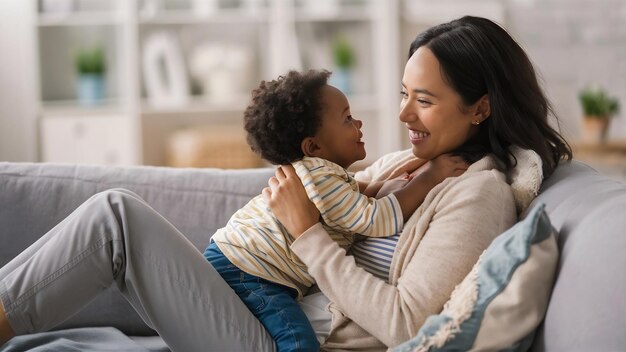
(282, 113)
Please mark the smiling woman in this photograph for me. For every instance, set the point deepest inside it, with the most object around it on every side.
(475, 65)
(435, 114)
(468, 89)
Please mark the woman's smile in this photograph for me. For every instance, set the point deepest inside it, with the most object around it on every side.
(417, 137)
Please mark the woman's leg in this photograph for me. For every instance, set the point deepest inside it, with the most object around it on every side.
(116, 237)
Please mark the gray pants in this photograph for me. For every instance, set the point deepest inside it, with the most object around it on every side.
(116, 237)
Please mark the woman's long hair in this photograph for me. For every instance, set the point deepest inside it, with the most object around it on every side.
(479, 57)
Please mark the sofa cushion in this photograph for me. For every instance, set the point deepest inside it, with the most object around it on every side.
(35, 197)
(84, 339)
(587, 310)
(503, 299)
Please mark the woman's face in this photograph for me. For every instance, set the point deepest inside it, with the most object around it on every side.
(433, 112)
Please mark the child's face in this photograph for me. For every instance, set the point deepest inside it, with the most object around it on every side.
(339, 137)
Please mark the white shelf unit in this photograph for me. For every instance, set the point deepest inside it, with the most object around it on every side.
(282, 35)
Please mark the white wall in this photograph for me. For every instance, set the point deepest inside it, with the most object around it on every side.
(17, 82)
(571, 42)
(574, 43)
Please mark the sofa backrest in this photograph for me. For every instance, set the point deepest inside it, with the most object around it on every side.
(587, 310)
(35, 197)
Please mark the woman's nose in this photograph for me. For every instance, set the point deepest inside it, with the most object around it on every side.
(407, 112)
(358, 123)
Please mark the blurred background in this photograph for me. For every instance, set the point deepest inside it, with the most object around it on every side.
(165, 82)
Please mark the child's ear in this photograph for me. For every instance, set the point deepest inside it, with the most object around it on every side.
(310, 147)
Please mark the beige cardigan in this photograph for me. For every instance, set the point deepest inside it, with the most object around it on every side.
(437, 248)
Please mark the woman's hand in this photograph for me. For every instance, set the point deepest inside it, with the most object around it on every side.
(289, 202)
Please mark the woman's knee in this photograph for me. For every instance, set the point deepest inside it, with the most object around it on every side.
(116, 193)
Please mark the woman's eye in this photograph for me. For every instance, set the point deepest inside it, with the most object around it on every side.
(349, 118)
(404, 94)
(423, 102)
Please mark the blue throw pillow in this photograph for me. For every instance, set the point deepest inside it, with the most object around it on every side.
(503, 299)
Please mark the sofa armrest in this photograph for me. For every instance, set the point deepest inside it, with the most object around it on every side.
(586, 310)
(34, 197)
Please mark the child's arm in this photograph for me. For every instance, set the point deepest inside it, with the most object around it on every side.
(343, 207)
(414, 192)
(372, 188)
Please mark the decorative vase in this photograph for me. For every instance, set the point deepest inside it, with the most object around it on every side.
(223, 70)
(341, 80)
(90, 89)
(595, 129)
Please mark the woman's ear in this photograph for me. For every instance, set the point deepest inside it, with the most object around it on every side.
(482, 109)
(310, 147)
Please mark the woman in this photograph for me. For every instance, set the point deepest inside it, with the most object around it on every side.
(467, 88)
(457, 97)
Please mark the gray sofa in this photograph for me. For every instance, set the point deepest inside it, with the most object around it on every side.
(587, 310)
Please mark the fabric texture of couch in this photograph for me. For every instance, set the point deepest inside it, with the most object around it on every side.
(586, 312)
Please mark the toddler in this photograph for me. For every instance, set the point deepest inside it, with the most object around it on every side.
(300, 119)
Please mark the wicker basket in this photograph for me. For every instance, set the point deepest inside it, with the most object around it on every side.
(211, 146)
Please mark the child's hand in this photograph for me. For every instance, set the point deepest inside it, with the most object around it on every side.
(407, 168)
(444, 166)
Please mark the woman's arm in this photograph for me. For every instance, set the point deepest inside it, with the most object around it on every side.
(455, 237)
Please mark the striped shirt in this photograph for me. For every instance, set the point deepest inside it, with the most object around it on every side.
(374, 255)
(257, 243)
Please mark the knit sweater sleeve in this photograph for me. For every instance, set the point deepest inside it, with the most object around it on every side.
(467, 217)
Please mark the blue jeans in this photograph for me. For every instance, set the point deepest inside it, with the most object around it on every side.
(273, 304)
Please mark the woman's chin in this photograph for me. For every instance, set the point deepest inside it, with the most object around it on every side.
(426, 155)
(419, 152)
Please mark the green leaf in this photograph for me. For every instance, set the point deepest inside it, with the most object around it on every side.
(343, 54)
(596, 102)
(90, 61)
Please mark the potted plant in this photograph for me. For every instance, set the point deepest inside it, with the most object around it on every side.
(91, 67)
(344, 60)
(598, 108)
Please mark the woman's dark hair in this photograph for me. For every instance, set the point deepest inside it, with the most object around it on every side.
(479, 57)
(282, 113)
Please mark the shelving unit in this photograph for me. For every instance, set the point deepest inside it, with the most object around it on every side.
(280, 34)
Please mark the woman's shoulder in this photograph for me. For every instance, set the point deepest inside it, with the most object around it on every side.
(521, 183)
(487, 169)
(484, 181)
